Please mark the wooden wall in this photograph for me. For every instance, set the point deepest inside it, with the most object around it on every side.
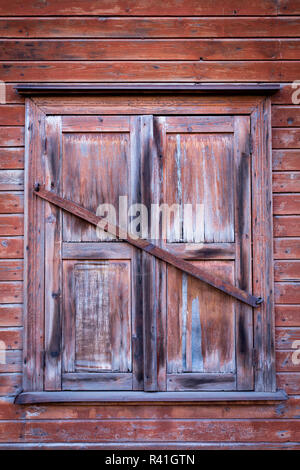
(127, 40)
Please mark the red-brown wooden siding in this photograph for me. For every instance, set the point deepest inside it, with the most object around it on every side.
(118, 40)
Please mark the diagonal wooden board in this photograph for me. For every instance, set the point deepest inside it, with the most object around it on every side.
(148, 247)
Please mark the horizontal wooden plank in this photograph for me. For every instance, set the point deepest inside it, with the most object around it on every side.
(287, 315)
(285, 362)
(286, 248)
(12, 115)
(94, 250)
(114, 27)
(11, 158)
(156, 71)
(95, 381)
(11, 315)
(11, 270)
(13, 361)
(287, 292)
(10, 384)
(290, 382)
(288, 95)
(286, 116)
(11, 136)
(286, 225)
(287, 270)
(286, 182)
(11, 180)
(95, 123)
(285, 204)
(11, 247)
(11, 292)
(159, 430)
(285, 138)
(154, 8)
(285, 338)
(11, 203)
(285, 160)
(11, 337)
(150, 49)
(11, 224)
(286, 409)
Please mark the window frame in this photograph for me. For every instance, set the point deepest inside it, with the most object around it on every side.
(253, 102)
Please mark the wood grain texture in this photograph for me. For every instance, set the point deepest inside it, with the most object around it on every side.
(286, 204)
(11, 203)
(287, 248)
(170, 8)
(147, 27)
(285, 160)
(11, 270)
(11, 158)
(287, 315)
(167, 49)
(11, 315)
(157, 71)
(286, 226)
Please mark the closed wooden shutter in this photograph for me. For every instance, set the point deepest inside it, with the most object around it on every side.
(107, 316)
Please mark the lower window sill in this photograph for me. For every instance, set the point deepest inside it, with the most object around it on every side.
(147, 397)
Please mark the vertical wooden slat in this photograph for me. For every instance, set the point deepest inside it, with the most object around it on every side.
(154, 271)
(34, 250)
(244, 315)
(265, 379)
(53, 236)
(136, 261)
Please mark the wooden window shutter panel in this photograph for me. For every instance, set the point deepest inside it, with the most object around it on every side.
(156, 144)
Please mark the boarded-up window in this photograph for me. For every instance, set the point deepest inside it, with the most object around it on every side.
(194, 179)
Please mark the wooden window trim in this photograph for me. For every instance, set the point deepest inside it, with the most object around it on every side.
(259, 109)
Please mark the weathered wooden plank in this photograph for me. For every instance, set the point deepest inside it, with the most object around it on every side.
(285, 338)
(11, 247)
(286, 248)
(262, 236)
(11, 224)
(11, 158)
(11, 270)
(10, 384)
(290, 382)
(243, 240)
(286, 363)
(288, 409)
(287, 315)
(287, 270)
(285, 116)
(148, 49)
(11, 180)
(95, 123)
(12, 115)
(285, 160)
(94, 381)
(285, 138)
(142, 8)
(11, 203)
(11, 292)
(11, 136)
(156, 71)
(114, 27)
(34, 251)
(13, 361)
(287, 292)
(95, 250)
(160, 430)
(286, 204)
(11, 315)
(12, 337)
(286, 182)
(286, 225)
(53, 275)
